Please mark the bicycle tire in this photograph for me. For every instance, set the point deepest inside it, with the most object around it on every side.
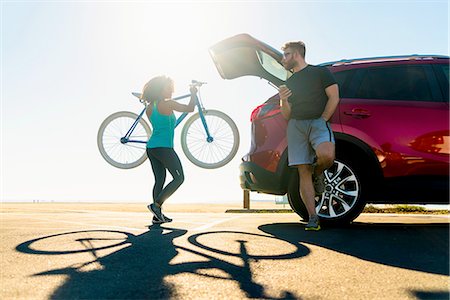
(216, 153)
(113, 128)
(40, 245)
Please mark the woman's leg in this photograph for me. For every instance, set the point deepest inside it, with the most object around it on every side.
(159, 171)
(169, 159)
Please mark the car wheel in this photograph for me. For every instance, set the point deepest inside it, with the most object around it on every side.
(343, 199)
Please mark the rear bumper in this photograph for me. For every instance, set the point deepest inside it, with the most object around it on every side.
(258, 179)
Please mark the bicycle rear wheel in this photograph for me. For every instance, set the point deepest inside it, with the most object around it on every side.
(216, 152)
(123, 155)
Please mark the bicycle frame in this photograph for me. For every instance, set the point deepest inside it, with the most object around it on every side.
(209, 138)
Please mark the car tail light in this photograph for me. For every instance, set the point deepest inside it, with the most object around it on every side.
(265, 110)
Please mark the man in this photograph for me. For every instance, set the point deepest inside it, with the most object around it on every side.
(308, 100)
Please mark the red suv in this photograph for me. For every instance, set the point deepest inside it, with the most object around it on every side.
(391, 129)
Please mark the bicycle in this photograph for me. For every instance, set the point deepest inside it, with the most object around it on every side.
(209, 139)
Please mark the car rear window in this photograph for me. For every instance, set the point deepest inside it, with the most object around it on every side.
(407, 82)
(272, 66)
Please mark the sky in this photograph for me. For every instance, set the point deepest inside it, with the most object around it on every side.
(67, 65)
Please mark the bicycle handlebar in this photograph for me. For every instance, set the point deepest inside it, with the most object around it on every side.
(197, 83)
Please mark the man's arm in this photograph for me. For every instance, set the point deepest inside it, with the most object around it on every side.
(333, 101)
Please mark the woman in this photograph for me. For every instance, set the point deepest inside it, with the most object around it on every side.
(158, 93)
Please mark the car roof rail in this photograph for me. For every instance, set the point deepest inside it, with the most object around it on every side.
(383, 58)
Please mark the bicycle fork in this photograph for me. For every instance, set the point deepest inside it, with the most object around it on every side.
(209, 138)
(200, 109)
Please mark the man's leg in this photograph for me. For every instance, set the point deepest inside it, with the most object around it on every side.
(307, 188)
(325, 153)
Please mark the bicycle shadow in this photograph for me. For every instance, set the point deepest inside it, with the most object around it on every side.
(138, 271)
(134, 272)
(420, 247)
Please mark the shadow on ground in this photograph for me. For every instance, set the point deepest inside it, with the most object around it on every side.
(138, 269)
(420, 247)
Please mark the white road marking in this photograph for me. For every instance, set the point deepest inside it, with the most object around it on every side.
(209, 225)
(96, 225)
(106, 216)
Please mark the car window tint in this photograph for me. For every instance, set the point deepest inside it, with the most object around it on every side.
(446, 83)
(445, 69)
(395, 83)
(343, 78)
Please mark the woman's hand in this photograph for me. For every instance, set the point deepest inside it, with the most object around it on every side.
(193, 90)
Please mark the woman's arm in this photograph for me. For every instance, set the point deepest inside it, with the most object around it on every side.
(168, 106)
(149, 110)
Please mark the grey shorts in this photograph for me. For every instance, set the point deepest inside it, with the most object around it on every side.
(303, 138)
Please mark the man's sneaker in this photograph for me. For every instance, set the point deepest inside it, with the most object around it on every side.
(313, 223)
(156, 211)
(156, 221)
(319, 182)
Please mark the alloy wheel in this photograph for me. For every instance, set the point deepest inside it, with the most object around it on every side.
(342, 190)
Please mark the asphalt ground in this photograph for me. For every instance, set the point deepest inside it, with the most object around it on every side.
(93, 251)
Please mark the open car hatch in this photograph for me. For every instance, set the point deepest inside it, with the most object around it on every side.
(243, 55)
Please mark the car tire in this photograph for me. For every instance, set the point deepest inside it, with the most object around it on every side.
(346, 191)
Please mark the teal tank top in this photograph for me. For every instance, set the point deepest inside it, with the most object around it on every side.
(163, 129)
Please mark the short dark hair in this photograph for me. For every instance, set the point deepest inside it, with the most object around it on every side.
(297, 46)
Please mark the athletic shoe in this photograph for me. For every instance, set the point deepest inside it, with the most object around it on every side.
(156, 211)
(166, 218)
(319, 183)
(313, 224)
(156, 221)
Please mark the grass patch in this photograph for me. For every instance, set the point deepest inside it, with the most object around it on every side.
(403, 209)
(389, 209)
(260, 211)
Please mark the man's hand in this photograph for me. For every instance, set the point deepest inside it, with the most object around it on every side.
(284, 94)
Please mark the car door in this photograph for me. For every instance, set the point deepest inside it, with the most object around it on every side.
(400, 111)
(243, 55)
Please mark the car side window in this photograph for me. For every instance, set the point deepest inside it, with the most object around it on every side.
(407, 82)
(447, 82)
(343, 79)
(441, 71)
(445, 69)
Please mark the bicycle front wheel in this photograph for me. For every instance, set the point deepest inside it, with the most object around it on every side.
(215, 152)
(117, 152)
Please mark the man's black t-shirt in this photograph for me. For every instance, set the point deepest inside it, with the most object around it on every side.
(308, 99)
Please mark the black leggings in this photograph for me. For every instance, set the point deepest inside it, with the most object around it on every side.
(162, 159)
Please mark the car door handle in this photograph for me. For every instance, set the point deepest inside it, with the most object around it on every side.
(358, 113)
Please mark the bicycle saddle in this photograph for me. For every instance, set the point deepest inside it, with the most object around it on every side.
(138, 95)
